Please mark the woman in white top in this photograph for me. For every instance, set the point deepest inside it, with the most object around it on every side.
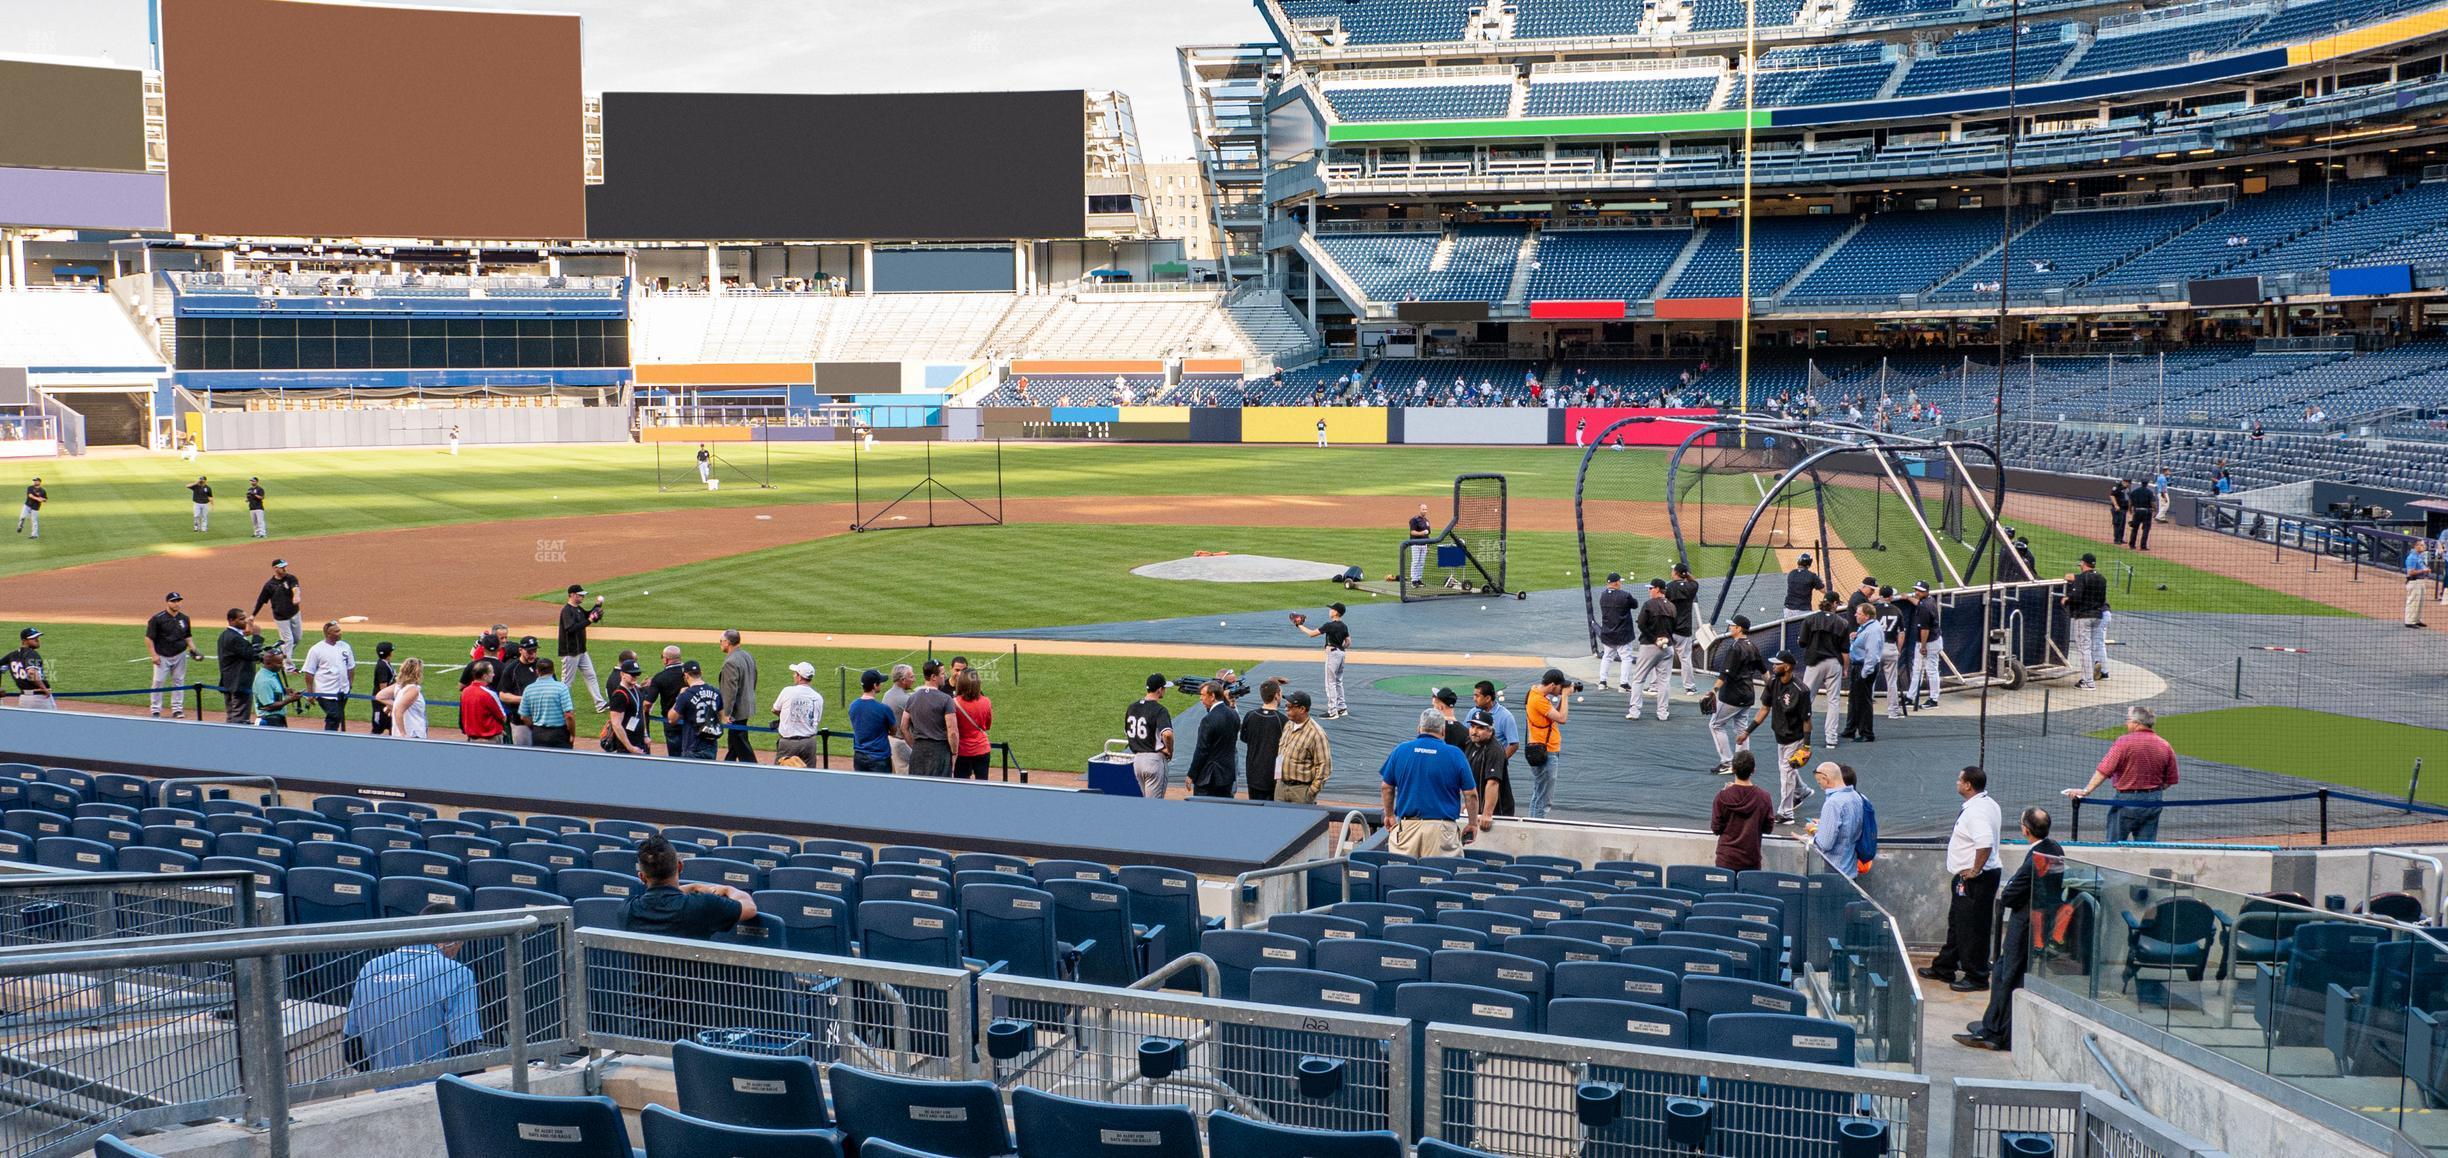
(406, 699)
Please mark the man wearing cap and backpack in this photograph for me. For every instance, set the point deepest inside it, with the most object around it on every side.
(170, 639)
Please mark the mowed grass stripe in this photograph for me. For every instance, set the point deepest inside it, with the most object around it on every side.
(2369, 756)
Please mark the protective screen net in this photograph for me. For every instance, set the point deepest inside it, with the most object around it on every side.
(1469, 554)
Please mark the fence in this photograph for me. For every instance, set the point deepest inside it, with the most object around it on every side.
(2077, 1119)
(1859, 968)
(1298, 1067)
(148, 1032)
(1531, 1096)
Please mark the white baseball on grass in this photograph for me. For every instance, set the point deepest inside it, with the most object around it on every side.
(645, 592)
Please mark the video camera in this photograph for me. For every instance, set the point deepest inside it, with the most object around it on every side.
(1190, 685)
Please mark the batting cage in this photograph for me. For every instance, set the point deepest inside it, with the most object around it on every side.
(1468, 556)
(898, 484)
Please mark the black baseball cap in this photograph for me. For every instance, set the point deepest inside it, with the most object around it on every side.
(383, 648)
(1482, 719)
(1682, 568)
(1922, 587)
(2088, 557)
(30, 633)
(1337, 608)
(1657, 585)
(1298, 699)
(691, 668)
(577, 588)
(280, 562)
(1742, 621)
(1156, 683)
(1867, 581)
(1787, 658)
(870, 680)
(1614, 576)
(627, 665)
(172, 597)
(528, 641)
(1447, 697)
(1803, 559)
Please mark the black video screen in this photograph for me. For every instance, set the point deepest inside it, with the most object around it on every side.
(886, 167)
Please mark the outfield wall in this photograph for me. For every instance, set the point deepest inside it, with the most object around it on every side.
(284, 429)
(1345, 425)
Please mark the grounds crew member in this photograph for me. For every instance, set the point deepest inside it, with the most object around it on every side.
(1213, 762)
(1786, 709)
(239, 651)
(1739, 666)
(1307, 758)
(255, 505)
(1615, 631)
(1337, 635)
(1147, 727)
(30, 515)
(570, 646)
(280, 593)
(1684, 592)
(1427, 788)
(1802, 588)
(200, 492)
(1655, 627)
(2086, 600)
(26, 665)
(170, 640)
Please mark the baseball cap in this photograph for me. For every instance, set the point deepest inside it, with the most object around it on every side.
(1682, 569)
(1922, 587)
(1614, 576)
(1156, 683)
(383, 648)
(691, 667)
(2088, 557)
(626, 665)
(1742, 621)
(1657, 585)
(528, 641)
(870, 680)
(577, 588)
(1482, 719)
(1337, 608)
(30, 633)
(280, 562)
(1447, 697)
(1885, 590)
(804, 670)
(1787, 658)
(1803, 559)
(1867, 581)
(172, 597)
(1298, 699)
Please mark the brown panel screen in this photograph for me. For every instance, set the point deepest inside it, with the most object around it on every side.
(67, 117)
(331, 120)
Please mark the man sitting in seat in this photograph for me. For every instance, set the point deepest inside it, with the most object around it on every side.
(413, 1005)
(676, 908)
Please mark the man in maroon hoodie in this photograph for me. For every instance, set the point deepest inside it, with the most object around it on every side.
(1741, 815)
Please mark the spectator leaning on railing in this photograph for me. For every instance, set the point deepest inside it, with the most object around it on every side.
(2142, 767)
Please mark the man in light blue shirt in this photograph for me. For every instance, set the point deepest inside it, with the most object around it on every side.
(546, 706)
(1838, 830)
(1508, 733)
(2418, 583)
(413, 1005)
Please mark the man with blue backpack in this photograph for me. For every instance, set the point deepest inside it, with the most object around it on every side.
(1846, 833)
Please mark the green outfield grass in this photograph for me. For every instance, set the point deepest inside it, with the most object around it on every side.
(2186, 588)
(1060, 711)
(963, 579)
(109, 507)
(2369, 756)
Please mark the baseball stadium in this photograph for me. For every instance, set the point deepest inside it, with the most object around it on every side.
(1390, 578)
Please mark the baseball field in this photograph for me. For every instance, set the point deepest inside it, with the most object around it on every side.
(426, 549)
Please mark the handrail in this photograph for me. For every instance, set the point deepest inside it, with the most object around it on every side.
(133, 954)
(2371, 862)
(1211, 977)
(1241, 884)
(2091, 1043)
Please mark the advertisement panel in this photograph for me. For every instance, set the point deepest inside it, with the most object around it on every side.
(71, 117)
(1584, 425)
(1345, 425)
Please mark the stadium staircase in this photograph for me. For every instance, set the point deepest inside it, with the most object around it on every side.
(1524, 259)
(1895, 79)
(1337, 279)
(1020, 323)
(1682, 260)
(1272, 329)
(1812, 266)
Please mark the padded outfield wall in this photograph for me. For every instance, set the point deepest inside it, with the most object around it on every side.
(1345, 425)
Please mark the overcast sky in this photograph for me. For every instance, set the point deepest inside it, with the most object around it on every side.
(801, 45)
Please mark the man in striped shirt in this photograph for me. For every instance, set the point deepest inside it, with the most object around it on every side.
(546, 707)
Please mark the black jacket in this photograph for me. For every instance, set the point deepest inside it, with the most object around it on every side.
(240, 653)
(1825, 635)
(1789, 710)
(2040, 879)
(574, 623)
(1657, 620)
(1212, 763)
(1615, 617)
(1684, 593)
(2087, 595)
(1738, 666)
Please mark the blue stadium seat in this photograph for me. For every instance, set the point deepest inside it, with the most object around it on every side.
(1094, 918)
(68, 852)
(1077, 870)
(276, 813)
(1782, 1037)
(106, 811)
(715, 871)
(692, 834)
(322, 895)
(765, 859)
(16, 848)
(595, 842)
(580, 883)
(883, 886)
(764, 1091)
(611, 860)
(914, 854)
(1313, 989)
(36, 823)
(170, 817)
(671, 1134)
(1611, 934)
(841, 886)
(1391, 877)
(1430, 902)
(268, 876)
(1475, 1006)
(1621, 1022)
(1647, 917)
(1614, 981)
(962, 881)
(807, 922)
(1751, 960)
(1686, 962)
(1015, 926)
(53, 798)
(1533, 911)
(408, 808)
(192, 796)
(909, 933)
(1440, 1148)
(849, 848)
(223, 823)
(338, 809)
(1433, 937)
(510, 834)
(1492, 970)
(1238, 951)
(1765, 938)
(430, 865)
(559, 825)
(1386, 964)
(109, 1146)
(878, 1148)
(257, 846)
(156, 860)
(471, 848)
(300, 831)
(487, 899)
(121, 789)
(479, 1122)
(1316, 927)
(1231, 1134)
(954, 1119)
(989, 862)
(116, 833)
(852, 865)
(384, 839)
(1554, 951)
(1704, 998)
(194, 842)
(1053, 1126)
(1496, 925)
(550, 854)
(1166, 899)
(379, 819)
(1376, 916)
(408, 896)
(627, 829)
(600, 913)
(432, 827)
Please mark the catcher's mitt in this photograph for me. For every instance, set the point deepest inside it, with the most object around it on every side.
(1299, 620)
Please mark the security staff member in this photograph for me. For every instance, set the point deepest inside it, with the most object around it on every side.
(1655, 627)
(170, 640)
(2145, 502)
(2120, 508)
(1802, 588)
(1684, 592)
(1213, 762)
(1427, 786)
(2086, 599)
(1786, 709)
(1615, 632)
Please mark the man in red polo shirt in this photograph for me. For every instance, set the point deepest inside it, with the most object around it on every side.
(2143, 767)
(481, 718)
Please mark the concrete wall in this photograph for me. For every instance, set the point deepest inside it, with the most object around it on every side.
(1474, 426)
(283, 430)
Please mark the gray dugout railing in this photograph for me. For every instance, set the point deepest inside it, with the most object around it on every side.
(641, 992)
(148, 1032)
(2003, 1119)
(1297, 1067)
(1532, 1096)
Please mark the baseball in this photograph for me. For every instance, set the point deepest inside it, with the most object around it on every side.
(645, 592)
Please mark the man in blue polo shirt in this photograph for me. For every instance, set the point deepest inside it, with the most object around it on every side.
(412, 1005)
(1427, 788)
(546, 706)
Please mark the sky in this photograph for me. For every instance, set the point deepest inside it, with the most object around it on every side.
(804, 45)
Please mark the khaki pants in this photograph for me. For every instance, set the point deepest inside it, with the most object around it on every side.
(1295, 792)
(1414, 837)
(2414, 601)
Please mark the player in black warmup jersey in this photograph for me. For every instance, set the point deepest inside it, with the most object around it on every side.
(31, 514)
(255, 506)
(1802, 587)
(1684, 592)
(201, 492)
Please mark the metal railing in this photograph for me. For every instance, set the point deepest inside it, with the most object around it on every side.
(148, 1032)
(1298, 1067)
(2078, 1119)
(1860, 970)
(643, 992)
(1532, 1096)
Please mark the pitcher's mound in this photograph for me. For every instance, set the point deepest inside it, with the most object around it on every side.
(1240, 569)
